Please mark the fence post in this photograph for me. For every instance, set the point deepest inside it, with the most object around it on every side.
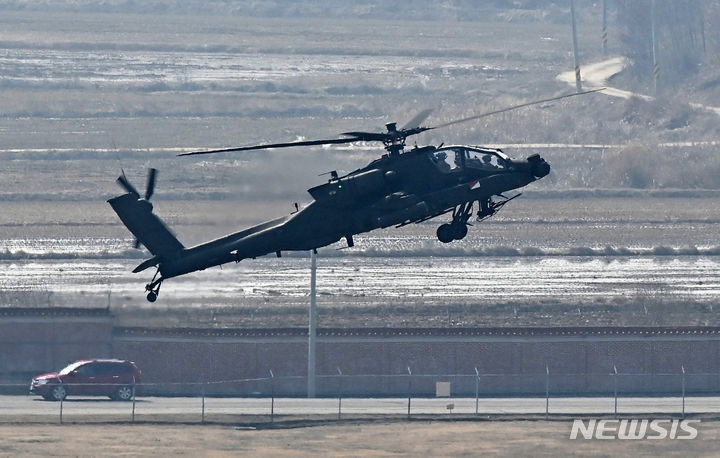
(272, 397)
(683, 390)
(409, 389)
(615, 374)
(547, 391)
(133, 399)
(477, 389)
(202, 392)
(340, 393)
(61, 410)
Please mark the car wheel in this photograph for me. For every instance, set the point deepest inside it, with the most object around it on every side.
(123, 393)
(58, 393)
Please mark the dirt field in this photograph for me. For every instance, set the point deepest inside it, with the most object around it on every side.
(351, 438)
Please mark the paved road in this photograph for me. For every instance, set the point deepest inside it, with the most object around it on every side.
(598, 74)
(22, 406)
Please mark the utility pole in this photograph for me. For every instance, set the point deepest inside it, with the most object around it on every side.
(578, 83)
(656, 66)
(312, 328)
(604, 29)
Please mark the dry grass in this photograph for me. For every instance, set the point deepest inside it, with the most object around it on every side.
(351, 438)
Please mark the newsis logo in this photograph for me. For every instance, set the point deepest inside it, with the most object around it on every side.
(634, 429)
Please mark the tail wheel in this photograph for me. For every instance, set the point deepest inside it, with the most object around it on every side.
(153, 288)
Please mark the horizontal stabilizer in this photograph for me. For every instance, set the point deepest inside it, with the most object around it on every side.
(155, 260)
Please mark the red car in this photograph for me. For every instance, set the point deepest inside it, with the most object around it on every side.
(115, 378)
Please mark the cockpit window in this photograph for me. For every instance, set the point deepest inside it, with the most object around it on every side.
(447, 160)
(457, 158)
(485, 160)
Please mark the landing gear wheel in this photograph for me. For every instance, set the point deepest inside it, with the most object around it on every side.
(445, 233)
(460, 230)
(152, 296)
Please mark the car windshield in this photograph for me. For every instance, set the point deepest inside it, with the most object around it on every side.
(67, 369)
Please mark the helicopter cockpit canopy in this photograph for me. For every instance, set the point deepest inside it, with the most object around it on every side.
(455, 158)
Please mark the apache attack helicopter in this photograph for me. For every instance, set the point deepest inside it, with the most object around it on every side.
(399, 188)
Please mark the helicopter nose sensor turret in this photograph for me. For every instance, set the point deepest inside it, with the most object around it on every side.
(538, 167)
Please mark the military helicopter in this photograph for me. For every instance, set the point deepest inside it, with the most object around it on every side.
(399, 188)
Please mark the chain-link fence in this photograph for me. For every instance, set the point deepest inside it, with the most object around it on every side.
(264, 398)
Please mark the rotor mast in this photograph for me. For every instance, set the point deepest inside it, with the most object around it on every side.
(395, 143)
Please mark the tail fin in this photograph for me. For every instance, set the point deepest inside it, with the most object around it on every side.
(138, 217)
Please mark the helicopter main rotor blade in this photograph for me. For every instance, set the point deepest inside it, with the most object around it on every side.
(417, 119)
(392, 137)
(276, 145)
(522, 105)
(368, 136)
(397, 135)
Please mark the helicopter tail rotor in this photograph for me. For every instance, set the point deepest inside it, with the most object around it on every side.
(125, 184)
(149, 190)
(150, 187)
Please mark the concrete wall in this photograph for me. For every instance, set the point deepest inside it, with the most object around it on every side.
(374, 363)
(511, 361)
(34, 341)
